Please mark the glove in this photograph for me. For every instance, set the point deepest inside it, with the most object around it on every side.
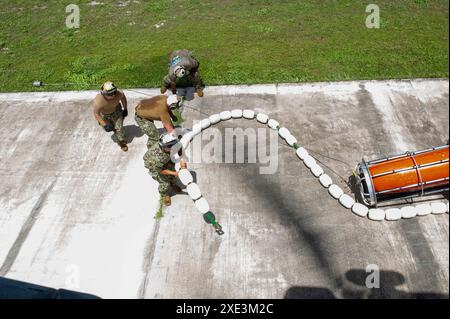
(108, 128)
(125, 113)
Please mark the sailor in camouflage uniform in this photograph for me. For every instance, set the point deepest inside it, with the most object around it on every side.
(183, 72)
(110, 109)
(157, 108)
(161, 168)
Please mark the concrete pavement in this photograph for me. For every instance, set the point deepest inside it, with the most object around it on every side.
(77, 213)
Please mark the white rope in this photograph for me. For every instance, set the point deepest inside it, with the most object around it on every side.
(347, 201)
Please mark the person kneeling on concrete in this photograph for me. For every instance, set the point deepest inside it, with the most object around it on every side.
(110, 109)
(157, 108)
(161, 168)
(183, 72)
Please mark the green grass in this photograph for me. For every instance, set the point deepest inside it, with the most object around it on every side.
(160, 212)
(255, 41)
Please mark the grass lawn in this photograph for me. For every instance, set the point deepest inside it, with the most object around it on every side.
(236, 41)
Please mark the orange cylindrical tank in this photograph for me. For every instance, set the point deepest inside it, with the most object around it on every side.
(411, 172)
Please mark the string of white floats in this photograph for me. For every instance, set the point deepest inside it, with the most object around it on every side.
(325, 180)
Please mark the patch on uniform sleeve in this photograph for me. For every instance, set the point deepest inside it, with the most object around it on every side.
(175, 60)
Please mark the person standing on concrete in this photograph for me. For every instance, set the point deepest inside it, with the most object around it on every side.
(157, 161)
(157, 108)
(110, 109)
(183, 71)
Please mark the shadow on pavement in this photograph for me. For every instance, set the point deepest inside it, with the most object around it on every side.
(353, 286)
(132, 132)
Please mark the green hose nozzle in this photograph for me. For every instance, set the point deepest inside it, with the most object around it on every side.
(211, 219)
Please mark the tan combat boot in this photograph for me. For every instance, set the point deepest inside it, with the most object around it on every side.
(123, 146)
(167, 201)
(199, 92)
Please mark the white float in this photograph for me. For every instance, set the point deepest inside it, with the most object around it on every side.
(185, 177)
(325, 180)
(225, 115)
(291, 140)
(408, 212)
(214, 119)
(189, 136)
(284, 133)
(273, 124)
(335, 191)
(377, 214)
(202, 205)
(248, 114)
(423, 209)
(346, 201)
(184, 142)
(262, 118)
(309, 161)
(196, 129)
(194, 191)
(316, 170)
(301, 153)
(360, 209)
(205, 123)
(236, 114)
(393, 214)
(438, 208)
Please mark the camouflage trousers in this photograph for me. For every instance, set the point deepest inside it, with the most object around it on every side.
(165, 182)
(116, 119)
(149, 129)
(152, 162)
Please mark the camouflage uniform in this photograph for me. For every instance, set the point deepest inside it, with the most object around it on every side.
(156, 160)
(116, 119)
(149, 128)
(185, 59)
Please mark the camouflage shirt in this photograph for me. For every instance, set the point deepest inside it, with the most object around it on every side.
(156, 160)
(182, 58)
